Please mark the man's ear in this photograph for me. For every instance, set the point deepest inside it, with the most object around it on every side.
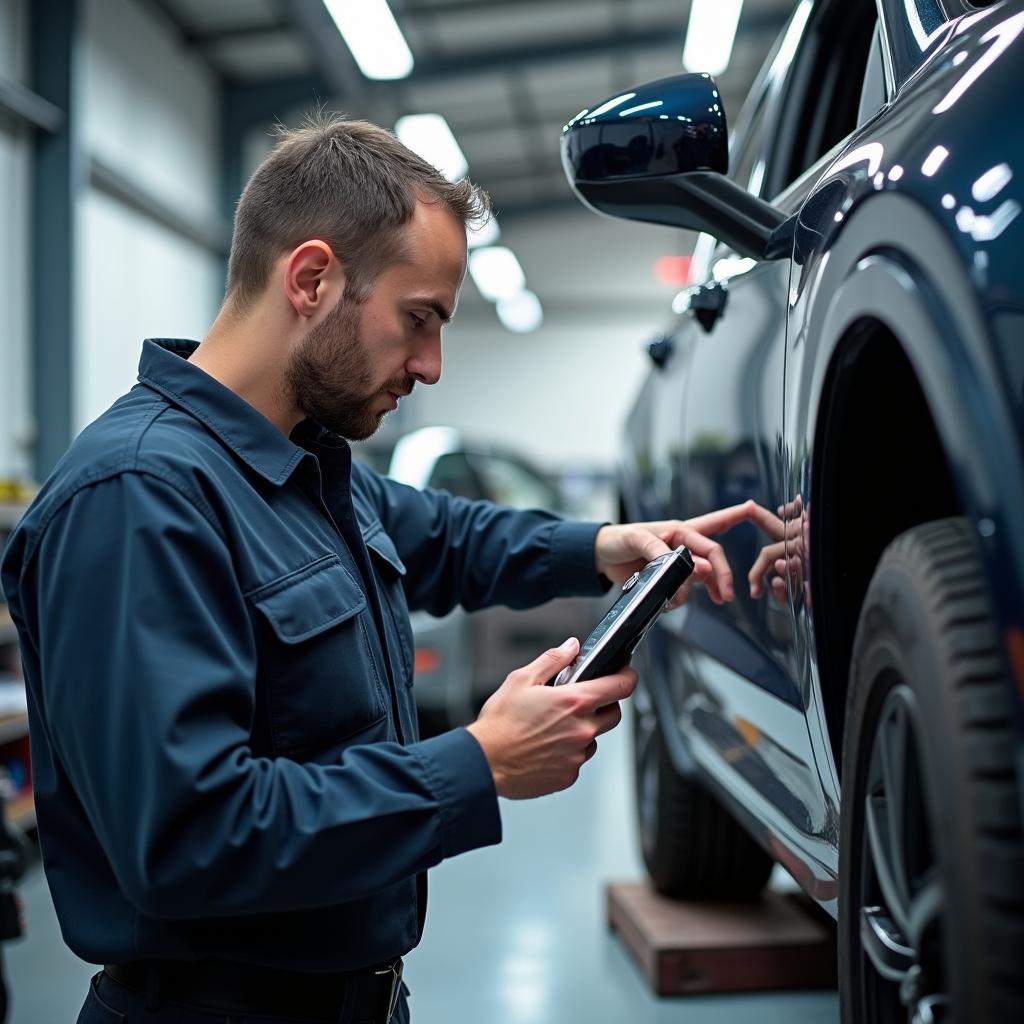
(313, 278)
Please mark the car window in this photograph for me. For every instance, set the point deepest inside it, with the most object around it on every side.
(748, 158)
(509, 482)
(823, 103)
(453, 473)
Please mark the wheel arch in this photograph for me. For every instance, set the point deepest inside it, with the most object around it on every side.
(891, 333)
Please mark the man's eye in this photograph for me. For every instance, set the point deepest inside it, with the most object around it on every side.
(417, 322)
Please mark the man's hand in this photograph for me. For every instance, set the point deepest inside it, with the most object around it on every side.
(621, 550)
(536, 738)
(784, 556)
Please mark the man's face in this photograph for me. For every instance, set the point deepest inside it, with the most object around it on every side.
(352, 367)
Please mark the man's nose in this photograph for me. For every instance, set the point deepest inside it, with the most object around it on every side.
(425, 366)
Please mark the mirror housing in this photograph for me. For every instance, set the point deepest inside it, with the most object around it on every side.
(660, 155)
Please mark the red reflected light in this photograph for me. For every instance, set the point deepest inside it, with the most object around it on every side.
(426, 660)
(673, 269)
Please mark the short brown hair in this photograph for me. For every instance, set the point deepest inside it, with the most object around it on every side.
(350, 183)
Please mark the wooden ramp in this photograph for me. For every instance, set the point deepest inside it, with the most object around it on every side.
(776, 942)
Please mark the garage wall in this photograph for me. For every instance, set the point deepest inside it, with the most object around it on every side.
(15, 169)
(560, 394)
(149, 111)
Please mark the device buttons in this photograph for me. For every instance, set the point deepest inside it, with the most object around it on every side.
(631, 582)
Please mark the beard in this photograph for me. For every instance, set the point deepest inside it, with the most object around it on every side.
(330, 376)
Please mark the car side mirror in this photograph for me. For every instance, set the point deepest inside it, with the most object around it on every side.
(660, 154)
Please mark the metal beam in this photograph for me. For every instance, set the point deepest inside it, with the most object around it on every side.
(248, 105)
(330, 54)
(206, 40)
(56, 180)
(566, 50)
(25, 106)
(214, 237)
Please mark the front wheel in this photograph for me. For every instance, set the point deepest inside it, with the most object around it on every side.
(931, 868)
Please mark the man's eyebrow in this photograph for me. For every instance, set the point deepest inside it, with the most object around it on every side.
(442, 311)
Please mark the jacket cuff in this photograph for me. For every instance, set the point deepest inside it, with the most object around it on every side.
(463, 783)
(573, 567)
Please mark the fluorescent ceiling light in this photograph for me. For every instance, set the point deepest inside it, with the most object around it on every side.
(486, 234)
(710, 34)
(430, 137)
(372, 34)
(521, 312)
(496, 272)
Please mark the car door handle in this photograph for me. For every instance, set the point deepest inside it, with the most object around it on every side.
(660, 349)
(706, 303)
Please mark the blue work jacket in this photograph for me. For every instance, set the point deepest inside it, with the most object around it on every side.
(214, 625)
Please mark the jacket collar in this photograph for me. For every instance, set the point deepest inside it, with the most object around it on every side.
(165, 368)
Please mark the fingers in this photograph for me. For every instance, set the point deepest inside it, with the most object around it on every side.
(608, 718)
(547, 665)
(709, 552)
(713, 523)
(768, 556)
(596, 693)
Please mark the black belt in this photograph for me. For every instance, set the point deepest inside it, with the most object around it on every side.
(231, 988)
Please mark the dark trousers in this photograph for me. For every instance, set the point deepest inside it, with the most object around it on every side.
(111, 1003)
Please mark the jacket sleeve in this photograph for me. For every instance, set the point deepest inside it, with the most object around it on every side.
(478, 554)
(148, 664)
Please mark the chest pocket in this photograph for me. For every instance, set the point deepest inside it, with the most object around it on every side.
(390, 570)
(317, 674)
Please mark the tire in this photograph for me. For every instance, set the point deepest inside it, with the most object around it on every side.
(692, 847)
(931, 868)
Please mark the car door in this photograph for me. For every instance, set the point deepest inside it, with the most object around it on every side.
(744, 699)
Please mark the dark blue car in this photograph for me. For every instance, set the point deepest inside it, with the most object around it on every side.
(853, 359)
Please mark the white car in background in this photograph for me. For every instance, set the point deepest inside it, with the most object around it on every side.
(462, 658)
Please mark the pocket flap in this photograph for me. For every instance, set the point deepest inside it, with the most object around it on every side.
(384, 546)
(310, 600)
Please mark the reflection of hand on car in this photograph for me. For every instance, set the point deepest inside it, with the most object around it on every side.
(785, 556)
(622, 550)
(536, 738)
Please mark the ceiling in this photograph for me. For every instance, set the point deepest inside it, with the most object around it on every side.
(506, 74)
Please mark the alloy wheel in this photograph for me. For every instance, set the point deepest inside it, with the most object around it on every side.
(902, 896)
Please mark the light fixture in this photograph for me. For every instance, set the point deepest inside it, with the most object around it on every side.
(710, 34)
(372, 34)
(521, 312)
(486, 234)
(496, 272)
(429, 136)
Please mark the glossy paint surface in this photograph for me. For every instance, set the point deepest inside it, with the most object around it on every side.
(670, 126)
(912, 221)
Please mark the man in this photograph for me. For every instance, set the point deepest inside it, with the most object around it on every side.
(236, 814)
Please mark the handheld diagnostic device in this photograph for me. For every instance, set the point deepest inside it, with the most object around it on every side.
(644, 596)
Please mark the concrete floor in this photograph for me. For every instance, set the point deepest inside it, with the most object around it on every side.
(515, 933)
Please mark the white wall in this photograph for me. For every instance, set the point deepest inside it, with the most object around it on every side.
(559, 395)
(150, 110)
(15, 166)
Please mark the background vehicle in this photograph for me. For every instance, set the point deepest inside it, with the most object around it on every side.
(852, 357)
(462, 658)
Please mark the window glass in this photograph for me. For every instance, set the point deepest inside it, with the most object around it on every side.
(748, 159)
(511, 483)
(823, 97)
(453, 473)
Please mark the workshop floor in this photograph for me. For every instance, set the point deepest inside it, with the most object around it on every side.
(515, 933)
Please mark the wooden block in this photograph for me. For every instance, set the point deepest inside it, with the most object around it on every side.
(772, 943)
